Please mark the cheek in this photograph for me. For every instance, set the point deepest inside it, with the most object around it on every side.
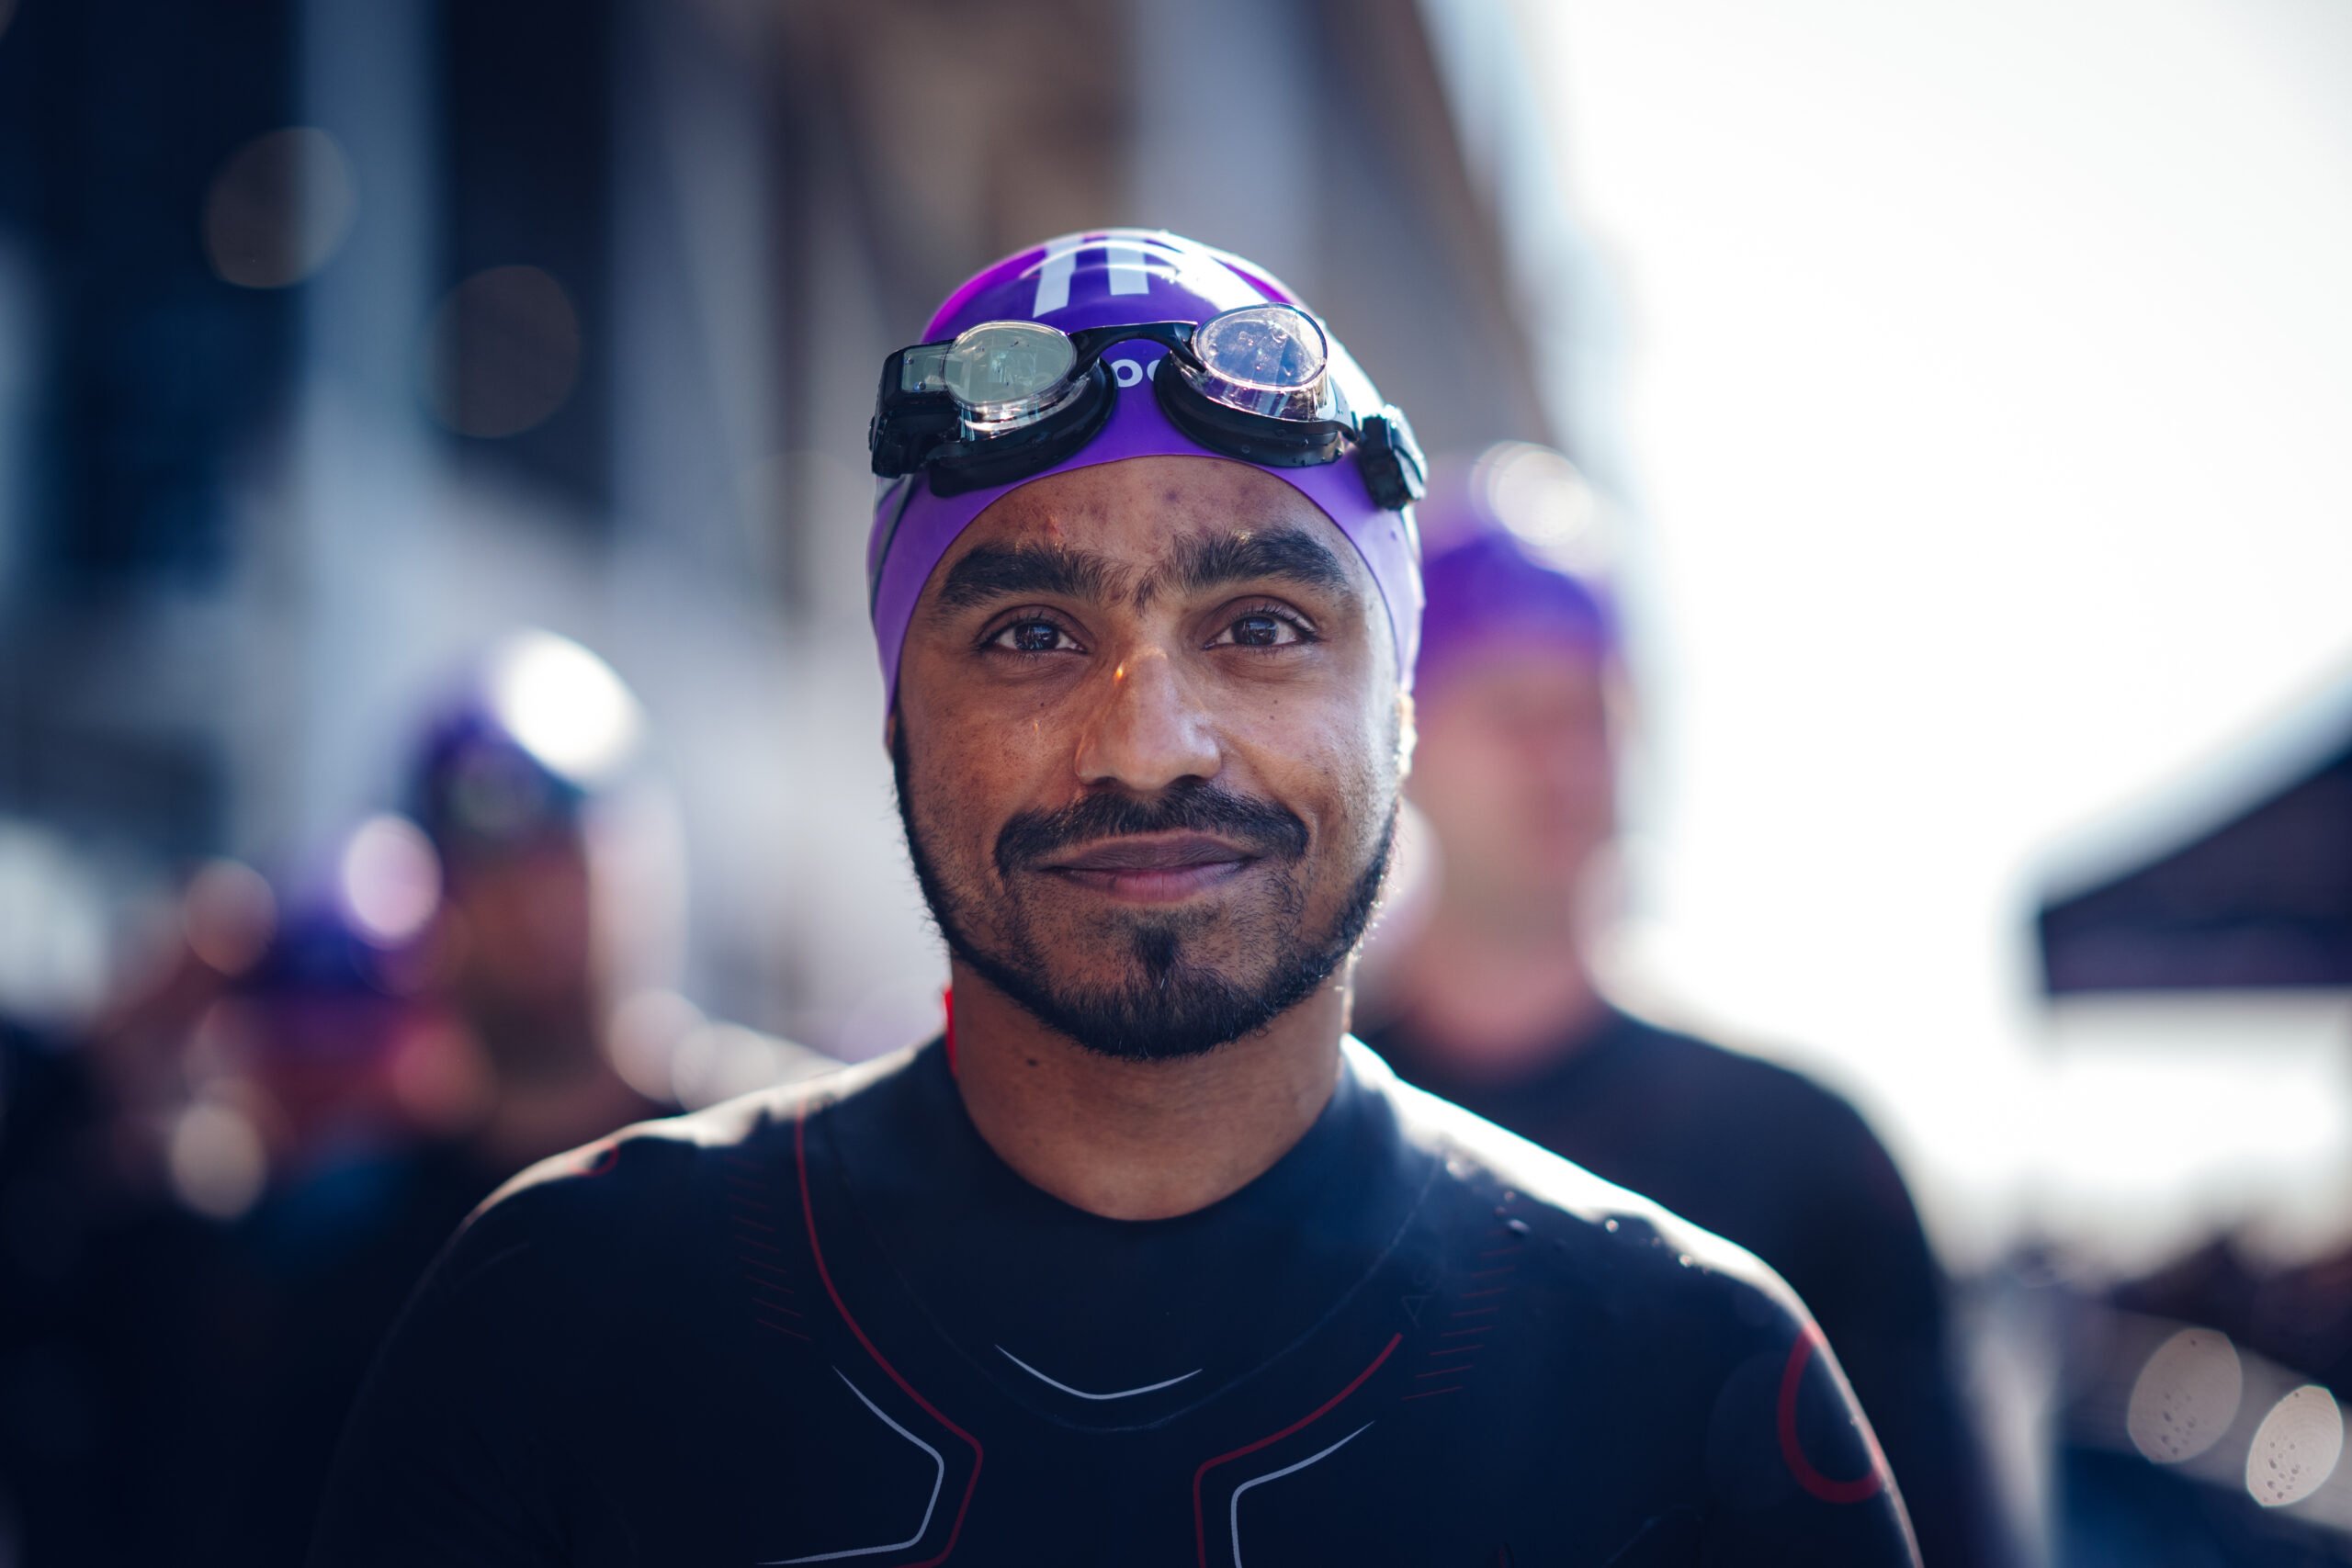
(947, 808)
(971, 771)
(1340, 774)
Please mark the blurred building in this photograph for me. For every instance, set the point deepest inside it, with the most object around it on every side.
(340, 338)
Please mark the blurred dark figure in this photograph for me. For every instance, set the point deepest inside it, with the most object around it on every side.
(440, 1025)
(323, 1139)
(1490, 999)
(217, 1208)
(99, 1261)
(456, 1012)
(54, 1365)
(556, 898)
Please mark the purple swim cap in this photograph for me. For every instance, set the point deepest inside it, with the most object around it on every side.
(1119, 278)
(1492, 583)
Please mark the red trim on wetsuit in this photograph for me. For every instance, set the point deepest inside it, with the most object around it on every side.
(947, 1002)
(1200, 1524)
(1863, 1487)
(808, 1213)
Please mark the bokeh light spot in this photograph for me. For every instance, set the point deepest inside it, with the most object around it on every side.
(504, 352)
(215, 1160)
(643, 1042)
(279, 208)
(2185, 1396)
(564, 703)
(228, 915)
(1542, 498)
(2295, 1449)
(391, 879)
(720, 1061)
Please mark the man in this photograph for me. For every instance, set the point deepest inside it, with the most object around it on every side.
(1490, 1000)
(1144, 1263)
(507, 782)
(562, 899)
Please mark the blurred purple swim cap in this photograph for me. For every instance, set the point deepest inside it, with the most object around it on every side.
(524, 739)
(1118, 278)
(1489, 588)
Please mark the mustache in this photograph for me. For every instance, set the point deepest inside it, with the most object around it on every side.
(1271, 831)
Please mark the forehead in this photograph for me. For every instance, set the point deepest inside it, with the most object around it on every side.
(1521, 677)
(1141, 514)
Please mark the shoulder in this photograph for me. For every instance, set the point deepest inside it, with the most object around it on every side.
(1596, 1236)
(616, 1199)
(1704, 1343)
(1734, 1076)
(1749, 1103)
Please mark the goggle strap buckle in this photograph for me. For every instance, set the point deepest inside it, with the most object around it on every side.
(1394, 469)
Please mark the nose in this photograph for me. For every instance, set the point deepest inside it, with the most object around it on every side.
(1149, 731)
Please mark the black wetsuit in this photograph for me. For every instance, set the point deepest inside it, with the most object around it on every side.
(828, 1324)
(1780, 1165)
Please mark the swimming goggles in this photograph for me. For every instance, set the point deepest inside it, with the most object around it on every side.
(1005, 401)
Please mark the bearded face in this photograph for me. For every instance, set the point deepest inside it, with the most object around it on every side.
(1147, 746)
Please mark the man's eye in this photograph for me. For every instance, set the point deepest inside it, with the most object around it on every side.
(1032, 637)
(1260, 629)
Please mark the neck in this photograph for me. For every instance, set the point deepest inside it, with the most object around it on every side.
(1141, 1140)
(1492, 992)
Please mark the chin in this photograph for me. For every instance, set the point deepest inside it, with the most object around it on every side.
(1121, 971)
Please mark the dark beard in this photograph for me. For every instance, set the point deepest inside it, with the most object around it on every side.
(1175, 1006)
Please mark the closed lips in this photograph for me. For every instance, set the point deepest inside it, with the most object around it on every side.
(1174, 851)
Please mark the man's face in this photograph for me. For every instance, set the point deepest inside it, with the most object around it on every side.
(1517, 773)
(527, 980)
(1148, 743)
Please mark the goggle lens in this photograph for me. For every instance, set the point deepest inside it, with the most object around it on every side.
(1264, 359)
(1005, 369)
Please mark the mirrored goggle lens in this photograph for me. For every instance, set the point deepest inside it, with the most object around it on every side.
(1265, 359)
(1001, 369)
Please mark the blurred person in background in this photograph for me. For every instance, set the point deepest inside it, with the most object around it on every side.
(1143, 1237)
(555, 899)
(1487, 993)
(62, 1362)
(306, 1094)
(319, 1139)
(506, 786)
(99, 1260)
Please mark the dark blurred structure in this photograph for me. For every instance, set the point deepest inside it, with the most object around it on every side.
(2262, 899)
(2199, 1420)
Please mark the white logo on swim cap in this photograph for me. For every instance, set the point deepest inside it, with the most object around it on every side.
(1125, 267)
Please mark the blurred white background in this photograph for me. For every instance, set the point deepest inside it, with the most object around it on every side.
(1984, 374)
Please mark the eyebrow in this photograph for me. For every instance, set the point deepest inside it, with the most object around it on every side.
(1002, 571)
(1289, 554)
(991, 572)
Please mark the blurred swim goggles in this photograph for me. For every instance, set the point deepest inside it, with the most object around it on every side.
(1004, 400)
